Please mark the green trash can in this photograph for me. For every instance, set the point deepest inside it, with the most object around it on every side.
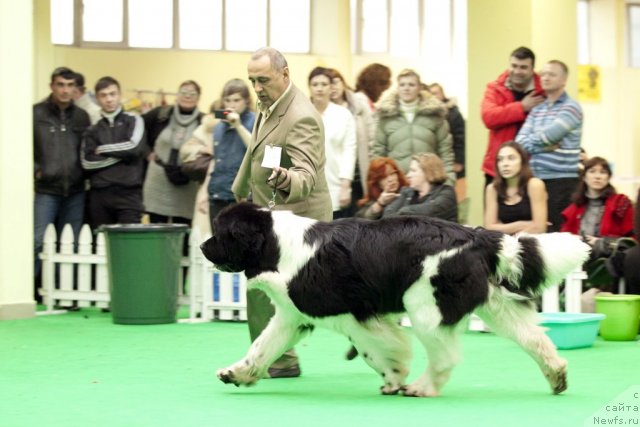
(144, 271)
(623, 316)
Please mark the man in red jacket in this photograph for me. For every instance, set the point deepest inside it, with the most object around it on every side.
(506, 103)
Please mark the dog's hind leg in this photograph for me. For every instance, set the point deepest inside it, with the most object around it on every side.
(384, 346)
(517, 320)
(280, 334)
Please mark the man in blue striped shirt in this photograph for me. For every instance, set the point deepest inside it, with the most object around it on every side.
(552, 134)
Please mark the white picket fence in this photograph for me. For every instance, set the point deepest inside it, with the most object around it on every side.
(82, 280)
(80, 277)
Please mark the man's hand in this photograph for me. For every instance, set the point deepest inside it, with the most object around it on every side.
(531, 100)
(277, 177)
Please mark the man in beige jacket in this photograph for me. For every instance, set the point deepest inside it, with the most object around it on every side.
(290, 131)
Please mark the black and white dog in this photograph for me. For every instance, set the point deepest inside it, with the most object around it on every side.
(358, 277)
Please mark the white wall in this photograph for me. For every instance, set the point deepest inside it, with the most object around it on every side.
(16, 185)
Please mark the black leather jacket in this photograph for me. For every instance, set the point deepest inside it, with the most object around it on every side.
(56, 148)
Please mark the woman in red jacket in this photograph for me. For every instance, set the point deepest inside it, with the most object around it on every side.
(597, 212)
(597, 209)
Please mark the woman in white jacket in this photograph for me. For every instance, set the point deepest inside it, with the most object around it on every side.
(342, 94)
(340, 141)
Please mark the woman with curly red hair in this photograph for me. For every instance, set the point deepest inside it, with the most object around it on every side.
(384, 181)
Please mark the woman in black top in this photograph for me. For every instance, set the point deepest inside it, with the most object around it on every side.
(515, 201)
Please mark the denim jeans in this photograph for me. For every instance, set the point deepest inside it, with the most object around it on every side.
(59, 210)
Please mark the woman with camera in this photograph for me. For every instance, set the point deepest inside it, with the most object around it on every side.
(231, 137)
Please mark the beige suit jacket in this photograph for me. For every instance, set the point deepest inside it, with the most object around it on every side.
(296, 126)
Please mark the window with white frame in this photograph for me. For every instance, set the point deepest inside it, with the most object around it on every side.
(199, 27)
(242, 25)
(633, 19)
(62, 21)
(102, 21)
(289, 25)
(373, 25)
(245, 26)
(584, 52)
(430, 36)
(150, 23)
(404, 28)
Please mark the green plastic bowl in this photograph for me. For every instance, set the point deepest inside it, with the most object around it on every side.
(623, 316)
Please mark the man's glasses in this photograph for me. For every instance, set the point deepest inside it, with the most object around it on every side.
(188, 93)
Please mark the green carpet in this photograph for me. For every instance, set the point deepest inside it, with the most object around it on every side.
(79, 369)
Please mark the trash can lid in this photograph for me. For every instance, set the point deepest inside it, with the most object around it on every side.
(145, 228)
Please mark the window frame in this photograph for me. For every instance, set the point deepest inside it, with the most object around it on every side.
(629, 34)
(587, 33)
(124, 44)
(357, 22)
(79, 33)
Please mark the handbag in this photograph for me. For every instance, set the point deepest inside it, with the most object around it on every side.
(197, 169)
(172, 170)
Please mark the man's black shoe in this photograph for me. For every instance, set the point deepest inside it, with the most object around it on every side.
(291, 372)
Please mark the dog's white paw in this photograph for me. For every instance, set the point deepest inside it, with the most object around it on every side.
(557, 378)
(394, 380)
(237, 376)
(390, 388)
(422, 387)
(414, 390)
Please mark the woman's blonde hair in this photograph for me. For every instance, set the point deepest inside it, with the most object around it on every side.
(432, 166)
(407, 72)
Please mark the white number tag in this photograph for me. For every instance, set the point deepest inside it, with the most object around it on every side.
(272, 157)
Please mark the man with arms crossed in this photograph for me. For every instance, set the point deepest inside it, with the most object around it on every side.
(113, 152)
(552, 134)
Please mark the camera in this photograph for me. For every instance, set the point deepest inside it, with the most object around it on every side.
(221, 114)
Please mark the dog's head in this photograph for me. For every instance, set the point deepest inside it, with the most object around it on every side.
(243, 240)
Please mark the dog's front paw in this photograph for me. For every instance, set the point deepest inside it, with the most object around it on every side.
(558, 378)
(419, 391)
(227, 376)
(237, 377)
(389, 389)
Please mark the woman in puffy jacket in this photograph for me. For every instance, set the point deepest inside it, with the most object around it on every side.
(412, 121)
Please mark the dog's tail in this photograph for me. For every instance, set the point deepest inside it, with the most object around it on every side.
(530, 263)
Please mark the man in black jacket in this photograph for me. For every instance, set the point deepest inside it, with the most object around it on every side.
(113, 152)
(58, 126)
